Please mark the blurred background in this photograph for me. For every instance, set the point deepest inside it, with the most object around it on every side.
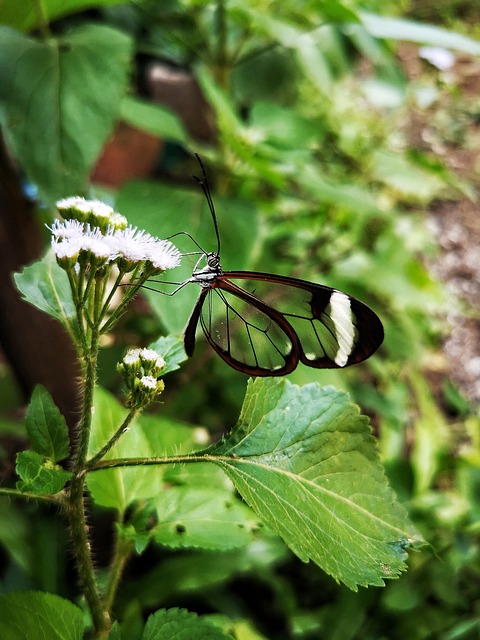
(341, 141)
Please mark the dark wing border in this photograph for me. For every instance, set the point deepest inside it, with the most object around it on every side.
(367, 324)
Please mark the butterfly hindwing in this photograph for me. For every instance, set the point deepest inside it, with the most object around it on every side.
(246, 333)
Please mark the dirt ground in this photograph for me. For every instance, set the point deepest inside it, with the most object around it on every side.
(451, 130)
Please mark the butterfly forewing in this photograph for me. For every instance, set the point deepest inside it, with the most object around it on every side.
(330, 328)
(246, 333)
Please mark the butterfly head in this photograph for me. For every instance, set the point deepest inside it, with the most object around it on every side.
(213, 260)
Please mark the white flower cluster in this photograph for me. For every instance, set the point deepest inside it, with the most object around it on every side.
(140, 369)
(116, 242)
(146, 357)
(94, 212)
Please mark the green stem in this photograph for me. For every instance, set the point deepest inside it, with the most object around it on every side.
(56, 498)
(221, 58)
(76, 509)
(90, 370)
(122, 552)
(114, 288)
(146, 462)
(116, 436)
(83, 556)
(42, 18)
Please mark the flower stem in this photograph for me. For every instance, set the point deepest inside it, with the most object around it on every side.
(116, 436)
(123, 550)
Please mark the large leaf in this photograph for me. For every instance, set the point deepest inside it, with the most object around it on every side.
(61, 99)
(207, 517)
(46, 427)
(23, 16)
(33, 614)
(305, 461)
(45, 285)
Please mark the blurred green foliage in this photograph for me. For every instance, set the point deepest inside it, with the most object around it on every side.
(314, 175)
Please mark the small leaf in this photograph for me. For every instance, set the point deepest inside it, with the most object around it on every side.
(46, 426)
(172, 351)
(181, 625)
(202, 517)
(33, 614)
(115, 632)
(37, 476)
(152, 118)
(45, 285)
(305, 461)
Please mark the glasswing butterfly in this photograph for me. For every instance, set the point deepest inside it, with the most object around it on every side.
(264, 324)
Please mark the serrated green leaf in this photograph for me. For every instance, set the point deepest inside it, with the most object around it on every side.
(45, 285)
(33, 614)
(37, 476)
(55, 125)
(304, 460)
(181, 625)
(201, 517)
(172, 351)
(46, 426)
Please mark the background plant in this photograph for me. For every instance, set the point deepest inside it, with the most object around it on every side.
(314, 174)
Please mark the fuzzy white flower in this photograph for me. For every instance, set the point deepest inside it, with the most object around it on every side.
(136, 245)
(132, 357)
(69, 229)
(164, 255)
(149, 382)
(66, 249)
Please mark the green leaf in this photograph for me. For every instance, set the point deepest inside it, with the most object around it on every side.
(172, 351)
(152, 118)
(33, 614)
(57, 126)
(115, 632)
(46, 426)
(23, 16)
(45, 285)
(202, 517)
(406, 177)
(147, 437)
(39, 476)
(305, 461)
(399, 29)
(181, 625)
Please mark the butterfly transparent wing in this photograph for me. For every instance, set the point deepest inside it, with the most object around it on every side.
(264, 324)
(332, 328)
(247, 337)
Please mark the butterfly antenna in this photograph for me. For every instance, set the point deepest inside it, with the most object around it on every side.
(203, 182)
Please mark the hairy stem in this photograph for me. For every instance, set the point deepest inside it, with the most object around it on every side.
(116, 436)
(83, 555)
(123, 550)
